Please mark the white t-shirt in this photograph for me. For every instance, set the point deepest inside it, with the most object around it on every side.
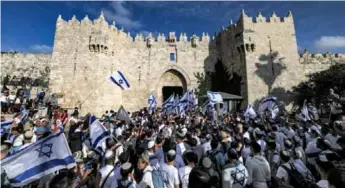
(323, 184)
(118, 131)
(234, 176)
(184, 175)
(18, 141)
(170, 176)
(180, 148)
(147, 178)
(4, 99)
(104, 172)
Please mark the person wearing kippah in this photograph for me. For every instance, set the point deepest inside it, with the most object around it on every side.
(127, 179)
(107, 172)
(170, 173)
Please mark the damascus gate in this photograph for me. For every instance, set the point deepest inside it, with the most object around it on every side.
(251, 57)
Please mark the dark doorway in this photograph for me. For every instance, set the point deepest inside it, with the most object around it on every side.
(169, 90)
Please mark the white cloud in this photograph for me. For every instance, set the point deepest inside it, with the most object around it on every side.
(41, 48)
(330, 42)
(121, 15)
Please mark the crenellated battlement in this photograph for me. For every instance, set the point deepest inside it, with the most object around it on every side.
(258, 19)
(326, 58)
(102, 26)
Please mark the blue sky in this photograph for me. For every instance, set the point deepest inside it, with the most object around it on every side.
(30, 26)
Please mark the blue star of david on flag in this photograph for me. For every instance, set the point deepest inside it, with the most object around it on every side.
(239, 176)
(119, 79)
(45, 149)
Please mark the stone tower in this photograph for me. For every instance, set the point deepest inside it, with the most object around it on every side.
(87, 52)
(263, 53)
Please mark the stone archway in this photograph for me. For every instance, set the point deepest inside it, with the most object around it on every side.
(171, 81)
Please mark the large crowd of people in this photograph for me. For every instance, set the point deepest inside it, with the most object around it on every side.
(157, 150)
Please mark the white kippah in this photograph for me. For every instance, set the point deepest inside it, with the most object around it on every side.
(151, 144)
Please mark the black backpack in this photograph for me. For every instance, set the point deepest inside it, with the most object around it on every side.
(297, 180)
(212, 155)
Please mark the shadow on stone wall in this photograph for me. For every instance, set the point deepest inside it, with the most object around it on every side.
(268, 72)
(284, 98)
(271, 69)
(224, 82)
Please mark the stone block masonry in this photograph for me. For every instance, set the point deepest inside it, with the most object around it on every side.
(261, 51)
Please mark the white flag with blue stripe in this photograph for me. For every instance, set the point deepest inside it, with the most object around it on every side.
(168, 105)
(5, 126)
(249, 113)
(193, 99)
(214, 97)
(184, 103)
(152, 103)
(269, 104)
(41, 158)
(208, 107)
(119, 79)
(305, 112)
(98, 133)
(176, 105)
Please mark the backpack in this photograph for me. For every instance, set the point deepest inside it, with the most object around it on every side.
(157, 178)
(212, 155)
(120, 185)
(297, 180)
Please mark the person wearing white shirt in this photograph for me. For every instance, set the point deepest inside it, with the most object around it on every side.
(207, 145)
(4, 102)
(154, 161)
(180, 147)
(118, 130)
(27, 139)
(234, 174)
(108, 170)
(144, 164)
(169, 172)
(192, 160)
(127, 180)
(287, 162)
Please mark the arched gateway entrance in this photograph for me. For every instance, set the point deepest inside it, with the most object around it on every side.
(171, 81)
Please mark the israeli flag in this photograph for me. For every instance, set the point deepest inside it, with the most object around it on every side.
(184, 103)
(5, 126)
(98, 133)
(208, 107)
(214, 97)
(269, 104)
(224, 109)
(152, 103)
(169, 103)
(305, 112)
(249, 113)
(176, 106)
(41, 158)
(119, 79)
(193, 99)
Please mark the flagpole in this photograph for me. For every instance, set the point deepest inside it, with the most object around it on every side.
(80, 104)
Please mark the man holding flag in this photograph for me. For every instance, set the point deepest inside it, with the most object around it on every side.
(152, 103)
